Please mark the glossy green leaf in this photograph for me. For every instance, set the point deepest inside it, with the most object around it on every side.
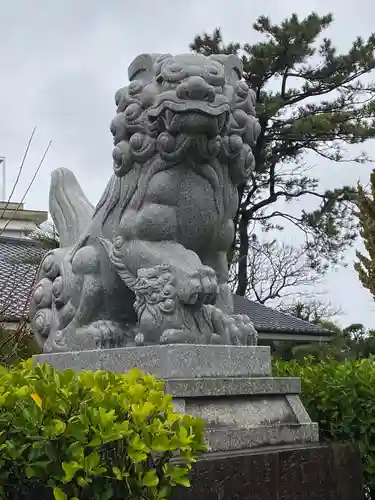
(70, 469)
(92, 460)
(59, 494)
(117, 473)
(150, 479)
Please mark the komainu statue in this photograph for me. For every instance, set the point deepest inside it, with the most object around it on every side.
(148, 264)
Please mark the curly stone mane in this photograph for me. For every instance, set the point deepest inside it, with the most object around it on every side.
(145, 144)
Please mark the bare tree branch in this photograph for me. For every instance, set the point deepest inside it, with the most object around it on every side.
(274, 271)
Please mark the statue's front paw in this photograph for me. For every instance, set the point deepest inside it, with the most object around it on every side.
(241, 330)
(109, 334)
(231, 330)
(178, 336)
(101, 334)
(200, 286)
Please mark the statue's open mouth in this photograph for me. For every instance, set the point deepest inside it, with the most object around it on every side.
(190, 116)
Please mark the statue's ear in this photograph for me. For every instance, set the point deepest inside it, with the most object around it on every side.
(142, 66)
(232, 64)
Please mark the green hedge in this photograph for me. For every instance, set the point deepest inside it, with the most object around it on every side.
(91, 436)
(340, 396)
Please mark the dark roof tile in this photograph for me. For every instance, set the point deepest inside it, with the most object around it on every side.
(18, 267)
(269, 320)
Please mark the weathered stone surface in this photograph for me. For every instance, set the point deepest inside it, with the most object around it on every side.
(298, 408)
(244, 412)
(234, 386)
(149, 264)
(170, 361)
(259, 436)
(310, 472)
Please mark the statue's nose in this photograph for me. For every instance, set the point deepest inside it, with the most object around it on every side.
(196, 88)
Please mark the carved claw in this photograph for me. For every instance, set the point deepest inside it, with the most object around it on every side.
(103, 334)
(200, 287)
(242, 329)
(175, 336)
(232, 330)
(109, 334)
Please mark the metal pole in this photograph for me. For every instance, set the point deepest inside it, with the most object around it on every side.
(3, 187)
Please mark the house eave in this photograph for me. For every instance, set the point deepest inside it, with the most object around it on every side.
(273, 336)
(294, 336)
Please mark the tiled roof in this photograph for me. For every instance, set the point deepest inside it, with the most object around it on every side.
(18, 267)
(269, 320)
(18, 270)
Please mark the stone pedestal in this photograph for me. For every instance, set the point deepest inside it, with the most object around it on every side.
(303, 472)
(230, 387)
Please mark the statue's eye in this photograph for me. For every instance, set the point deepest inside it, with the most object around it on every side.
(173, 72)
(214, 76)
(175, 68)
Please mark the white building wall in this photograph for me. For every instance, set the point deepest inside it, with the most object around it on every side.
(16, 228)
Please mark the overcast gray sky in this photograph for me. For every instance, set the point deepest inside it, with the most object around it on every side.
(62, 61)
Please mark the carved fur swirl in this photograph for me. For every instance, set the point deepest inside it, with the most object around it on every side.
(138, 140)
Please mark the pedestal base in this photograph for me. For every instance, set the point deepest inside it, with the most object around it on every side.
(230, 387)
(243, 413)
(314, 472)
(169, 361)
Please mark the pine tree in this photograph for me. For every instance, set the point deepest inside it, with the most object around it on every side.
(365, 266)
(321, 104)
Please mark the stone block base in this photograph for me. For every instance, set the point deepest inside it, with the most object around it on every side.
(243, 413)
(230, 387)
(315, 472)
(169, 361)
